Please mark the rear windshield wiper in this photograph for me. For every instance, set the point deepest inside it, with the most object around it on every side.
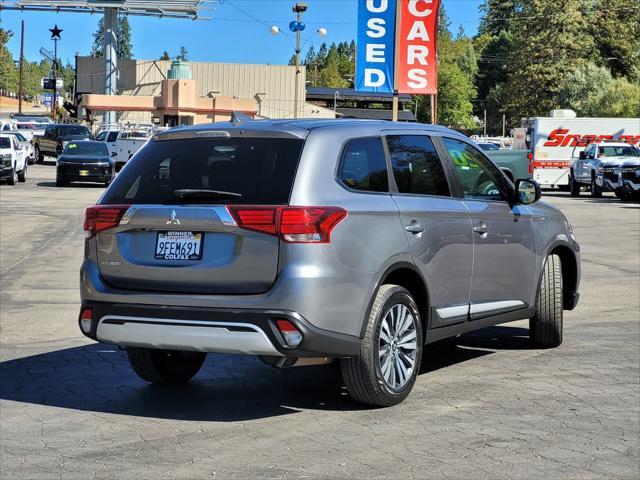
(202, 193)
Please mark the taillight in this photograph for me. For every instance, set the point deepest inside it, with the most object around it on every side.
(102, 217)
(292, 224)
(530, 158)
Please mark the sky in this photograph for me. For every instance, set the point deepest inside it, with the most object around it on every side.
(238, 32)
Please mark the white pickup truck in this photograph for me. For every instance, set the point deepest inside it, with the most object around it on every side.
(124, 143)
(13, 161)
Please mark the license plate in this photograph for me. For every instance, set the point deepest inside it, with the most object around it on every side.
(179, 246)
(83, 173)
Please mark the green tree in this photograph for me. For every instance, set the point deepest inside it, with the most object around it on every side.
(615, 27)
(124, 48)
(457, 69)
(165, 56)
(592, 91)
(8, 70)
(547, 43)
(184, 53)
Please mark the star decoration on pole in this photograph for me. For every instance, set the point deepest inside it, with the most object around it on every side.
(55, 32)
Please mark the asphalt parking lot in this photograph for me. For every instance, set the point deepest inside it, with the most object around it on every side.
(488, 407)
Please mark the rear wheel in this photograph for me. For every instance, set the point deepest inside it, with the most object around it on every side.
(167, 367)
(596, 192)
(545, 329)
(624, 195)
(575, 187)
(386, 369)
(38, 154)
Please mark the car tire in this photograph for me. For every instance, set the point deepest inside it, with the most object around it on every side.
(38, 154)
(575, 187)
(545, 328)
(165, 367)
(371, 377)
(13, 177)
(624, 195)
(596, 192)
(22, 174)
(60, 182)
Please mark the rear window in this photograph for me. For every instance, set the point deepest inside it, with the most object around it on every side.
(260, 170)
(73, 130)
(86, 148)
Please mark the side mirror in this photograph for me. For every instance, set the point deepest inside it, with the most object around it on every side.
(527, 191)
(582, 155)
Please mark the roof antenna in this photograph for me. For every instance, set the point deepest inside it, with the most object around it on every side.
(238, 117)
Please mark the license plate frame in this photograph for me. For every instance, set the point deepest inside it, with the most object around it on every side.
(164, 251)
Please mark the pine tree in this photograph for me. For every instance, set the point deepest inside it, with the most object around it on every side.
(547, 43)
(165, 56)
(8, 70)
(615, 27)
(124, 49)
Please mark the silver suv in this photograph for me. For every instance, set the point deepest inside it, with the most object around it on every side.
(309, 241)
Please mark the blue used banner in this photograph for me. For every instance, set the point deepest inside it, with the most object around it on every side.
(375, 57)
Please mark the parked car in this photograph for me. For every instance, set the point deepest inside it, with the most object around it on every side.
(109, 138)
(13, 165)
(598, 167)
(55, 139)
(27, 148)
(84, 161)
(26, 129)
(312, 240)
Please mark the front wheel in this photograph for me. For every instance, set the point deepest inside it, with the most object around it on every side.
(13, 178)
(596, 192)
(22, 174)
(391, 351)
(166, 367)
(545, 329)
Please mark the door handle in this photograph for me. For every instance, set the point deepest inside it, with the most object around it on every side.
(414, 228)
(481, 229)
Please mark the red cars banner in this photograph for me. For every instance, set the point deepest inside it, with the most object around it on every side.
(416, 71)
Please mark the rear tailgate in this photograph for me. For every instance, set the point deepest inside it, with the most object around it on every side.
(176, 234)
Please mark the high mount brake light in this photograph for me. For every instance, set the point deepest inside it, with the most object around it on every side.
(292, 224)
(102, 217)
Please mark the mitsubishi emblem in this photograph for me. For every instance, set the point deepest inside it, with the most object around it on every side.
(174, 219)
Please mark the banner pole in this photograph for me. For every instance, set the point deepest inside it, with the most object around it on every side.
(394, 105)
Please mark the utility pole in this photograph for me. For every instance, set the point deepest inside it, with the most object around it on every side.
(485, 123)
(21, 86)
(504, 125)
(297, 27)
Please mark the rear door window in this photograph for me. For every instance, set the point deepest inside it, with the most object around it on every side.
(364, 166)
(256, 171)
(417, 168)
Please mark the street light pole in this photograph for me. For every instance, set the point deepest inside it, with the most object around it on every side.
(21, 87)
(299, 8)
(55, 36)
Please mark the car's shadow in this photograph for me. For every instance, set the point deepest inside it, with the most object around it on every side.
(70, 185)
(228, 388)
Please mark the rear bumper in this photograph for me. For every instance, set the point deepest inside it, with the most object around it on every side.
(235, 331)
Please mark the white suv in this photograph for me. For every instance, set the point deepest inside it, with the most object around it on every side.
(13, 161)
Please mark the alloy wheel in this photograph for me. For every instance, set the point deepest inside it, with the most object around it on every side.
(397, 346)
